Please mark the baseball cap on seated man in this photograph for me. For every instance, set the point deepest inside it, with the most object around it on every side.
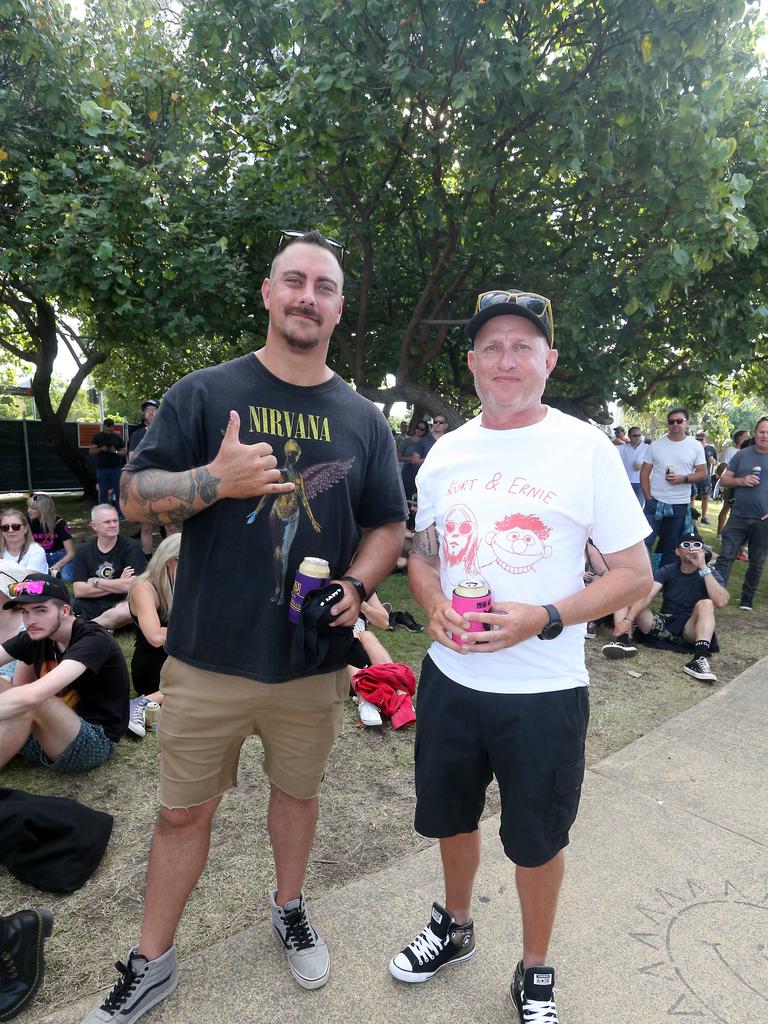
(35, 588)
(512, 302)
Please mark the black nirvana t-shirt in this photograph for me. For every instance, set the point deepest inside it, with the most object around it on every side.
(238, 558)
(100, 694)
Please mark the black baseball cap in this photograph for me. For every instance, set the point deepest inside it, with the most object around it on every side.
(689, 537)
(37, 587)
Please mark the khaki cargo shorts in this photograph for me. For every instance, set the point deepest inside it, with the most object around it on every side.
(207, 717)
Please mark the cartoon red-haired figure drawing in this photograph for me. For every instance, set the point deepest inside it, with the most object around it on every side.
(519, 543)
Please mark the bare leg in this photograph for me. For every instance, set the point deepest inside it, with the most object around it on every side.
(146, 539)
(291, 825)
(54, 726)
(116, 617)
(538, 889)
(704, 506)
(14, 733)
(701, 625)
(461, 859)
(176, 861)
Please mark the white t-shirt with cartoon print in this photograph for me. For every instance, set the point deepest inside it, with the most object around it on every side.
(515, 508)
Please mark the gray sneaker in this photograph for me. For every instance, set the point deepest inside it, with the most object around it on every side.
(143, 984)
(307, 953)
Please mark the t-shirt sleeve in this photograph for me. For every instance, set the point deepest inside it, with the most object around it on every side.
(36, 560)
(664, 573)
(176, 441)
(619, 521)
(383, 498)
(20, 647)
(61, 533)
(136, 558)
(80, 565)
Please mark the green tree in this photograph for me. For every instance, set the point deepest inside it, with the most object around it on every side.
(594, 151)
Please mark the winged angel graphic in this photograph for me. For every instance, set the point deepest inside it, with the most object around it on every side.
(286, 509)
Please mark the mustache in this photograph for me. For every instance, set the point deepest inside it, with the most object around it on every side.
(303, 311)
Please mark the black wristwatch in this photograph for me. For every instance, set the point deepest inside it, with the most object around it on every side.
(362, 592)
(555, 625)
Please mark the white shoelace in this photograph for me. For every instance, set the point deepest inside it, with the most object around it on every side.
(426, 945)
(538, 1011)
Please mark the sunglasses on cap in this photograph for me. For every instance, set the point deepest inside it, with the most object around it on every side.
(692, 544)
(293, 235)
(26, 587)
(12, 526)
(539, 305)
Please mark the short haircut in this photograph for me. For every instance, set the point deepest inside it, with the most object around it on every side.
(108, 422)
(104, 507)
(763, 419)
(678, 408)
(313, 237)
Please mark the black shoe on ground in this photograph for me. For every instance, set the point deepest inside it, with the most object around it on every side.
(407, 620)
(22, 958)
(699, 669)
(533, 993)
(619, 647)
(705, 521)
(745, 605)
(142, 984)
(442, 942)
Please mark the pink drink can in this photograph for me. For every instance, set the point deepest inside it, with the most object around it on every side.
(311, 574)
(471, 596)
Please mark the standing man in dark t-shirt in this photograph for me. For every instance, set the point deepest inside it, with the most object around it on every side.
(148, 413)
(105, 568)
(68, 704)
(747, 474)
(267, 459)
(108, 447)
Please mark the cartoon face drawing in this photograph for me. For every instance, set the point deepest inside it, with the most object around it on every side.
(460, 538)
(519, 543)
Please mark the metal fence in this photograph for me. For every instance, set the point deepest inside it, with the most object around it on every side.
(26, 461)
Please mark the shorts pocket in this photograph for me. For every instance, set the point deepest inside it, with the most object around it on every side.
(566, 788)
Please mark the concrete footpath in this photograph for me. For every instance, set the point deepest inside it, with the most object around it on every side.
(663, 916)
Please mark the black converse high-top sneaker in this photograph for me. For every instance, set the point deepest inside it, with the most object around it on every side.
(533, 993)
(442, 942)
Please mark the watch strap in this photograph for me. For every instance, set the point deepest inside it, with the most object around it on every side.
(358, 585)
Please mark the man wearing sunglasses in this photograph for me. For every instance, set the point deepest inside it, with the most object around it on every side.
(512, 702)
(690, 591)
(266, 460)
(632, 456)
(68, 704)
(671, 464)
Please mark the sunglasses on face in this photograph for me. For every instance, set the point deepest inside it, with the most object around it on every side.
(422, 429)
(12, 526)
(464, 527)
(693, 545)
(440, 423)
(539, 305)
(670, 422)
(26, 587)
(292, 235)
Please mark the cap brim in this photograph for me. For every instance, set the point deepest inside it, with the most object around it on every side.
(505, 309)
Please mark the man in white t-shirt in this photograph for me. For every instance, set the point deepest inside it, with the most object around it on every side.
(532, 485)
(632, 456)
(671, 464)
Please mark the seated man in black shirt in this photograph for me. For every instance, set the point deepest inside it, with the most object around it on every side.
(690, 592)
(104, 571)
(68, 704)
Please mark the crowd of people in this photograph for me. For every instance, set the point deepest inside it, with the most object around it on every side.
(273, 457)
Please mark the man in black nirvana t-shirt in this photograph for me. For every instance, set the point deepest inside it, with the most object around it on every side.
(68, 704)
(267, 459)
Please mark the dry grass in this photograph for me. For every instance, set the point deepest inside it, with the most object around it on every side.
(366, 814)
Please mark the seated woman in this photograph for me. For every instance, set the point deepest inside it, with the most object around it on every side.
(150, 600)
(52, 534)
(11, 622)
(16, 544)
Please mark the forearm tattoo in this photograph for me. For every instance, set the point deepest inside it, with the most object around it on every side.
(169, 498)
(425, 543)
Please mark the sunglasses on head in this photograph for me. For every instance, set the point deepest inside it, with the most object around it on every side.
(539, 305)
(26, 587)
(293, 235)
(693, 544)
(12, 526)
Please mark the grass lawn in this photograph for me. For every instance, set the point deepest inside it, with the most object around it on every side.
(366, 808)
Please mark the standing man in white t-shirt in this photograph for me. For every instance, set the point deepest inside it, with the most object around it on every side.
(671, 464)
(632, 456)
(512, 702)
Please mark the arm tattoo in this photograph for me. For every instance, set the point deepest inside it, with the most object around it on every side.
(168, 498)
(425, 543)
